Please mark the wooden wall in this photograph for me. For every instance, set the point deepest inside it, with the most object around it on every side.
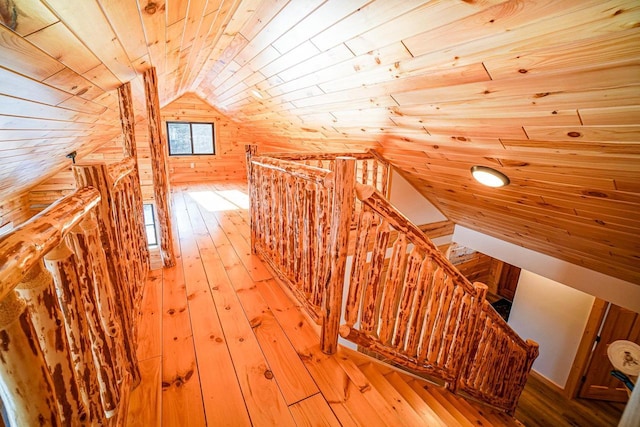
(475, 266)
(228, 163)
(13, 212)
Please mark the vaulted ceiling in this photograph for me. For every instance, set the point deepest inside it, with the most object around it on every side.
(546, 91)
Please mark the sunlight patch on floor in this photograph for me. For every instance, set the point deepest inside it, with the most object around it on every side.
(219, 201)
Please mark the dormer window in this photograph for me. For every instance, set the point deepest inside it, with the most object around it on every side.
(187, 138)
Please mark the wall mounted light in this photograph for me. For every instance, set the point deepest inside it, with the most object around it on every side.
(489, 177)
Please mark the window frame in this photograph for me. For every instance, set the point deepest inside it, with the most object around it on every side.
(213, 138)
(153, 222)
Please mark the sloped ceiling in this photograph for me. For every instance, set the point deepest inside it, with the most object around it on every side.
(547, 91)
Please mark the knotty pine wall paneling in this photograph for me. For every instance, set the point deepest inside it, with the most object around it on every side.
(228, 163)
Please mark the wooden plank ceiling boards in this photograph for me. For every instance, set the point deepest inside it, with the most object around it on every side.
(546, 91)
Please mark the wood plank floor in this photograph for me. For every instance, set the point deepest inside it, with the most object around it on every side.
(222, 344)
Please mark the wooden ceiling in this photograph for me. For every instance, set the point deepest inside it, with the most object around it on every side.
(546, 91)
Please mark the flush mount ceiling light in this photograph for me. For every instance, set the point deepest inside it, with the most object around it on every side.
(489, 177)
(256, 94)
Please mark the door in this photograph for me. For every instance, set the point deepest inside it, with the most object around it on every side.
(618, 324)
(508, 281)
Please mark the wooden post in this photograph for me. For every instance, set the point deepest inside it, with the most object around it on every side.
(250, 151)
(159, 168)
(61, 263)
(39, 293)
(104, 330)
(343, 201)
(127, 119)
(97, 176)
(27, 389)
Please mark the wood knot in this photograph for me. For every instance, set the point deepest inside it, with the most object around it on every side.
(151, 8)
(268, 374)
(541, 94)
(595, 194)
(9, 14)
(523, 71)
(574, 134)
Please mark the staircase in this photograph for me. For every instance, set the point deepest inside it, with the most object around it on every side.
(375, 393)
(403, 300)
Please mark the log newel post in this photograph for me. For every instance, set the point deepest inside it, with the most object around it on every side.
(38, 292)
(127, 118)
(28, 392)
(61, 263)
(251, 151)
(343, 201)
(159, 168)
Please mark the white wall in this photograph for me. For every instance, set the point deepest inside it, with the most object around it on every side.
(411, 203)
(553, 315)
(622, 293)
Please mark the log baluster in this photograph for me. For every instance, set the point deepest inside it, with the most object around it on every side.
(390, 296)
(61, 263)
(359, 268)
(373, 286)
(96, 175)
(28, 391)
(407, 299)
(343, 198)
(423, 290)
(104, 328)
(38, 291)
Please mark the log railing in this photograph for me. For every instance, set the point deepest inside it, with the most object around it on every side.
(409, 312)
(70, 284)
(498, 362)
(370, 168)
(290, 211)
(404, 299)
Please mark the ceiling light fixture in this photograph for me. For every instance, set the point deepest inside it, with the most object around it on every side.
(257, 94)
(489, 177)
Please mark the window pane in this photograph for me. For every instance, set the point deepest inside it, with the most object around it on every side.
(202, 138)
(151, 235)
(179, 138)
(148, 214)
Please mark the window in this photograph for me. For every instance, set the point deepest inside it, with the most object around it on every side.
(187, 138)
(150, 224)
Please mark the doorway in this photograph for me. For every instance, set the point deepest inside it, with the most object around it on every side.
(597, 382)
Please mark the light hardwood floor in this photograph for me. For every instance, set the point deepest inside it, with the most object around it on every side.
(221, 343)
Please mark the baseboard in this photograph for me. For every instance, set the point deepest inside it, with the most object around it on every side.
(547, 382)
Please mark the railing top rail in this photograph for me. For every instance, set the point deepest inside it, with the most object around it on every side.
(28, 243)
(319, 156)
(376, 201)
(120, 170)
(309, 173)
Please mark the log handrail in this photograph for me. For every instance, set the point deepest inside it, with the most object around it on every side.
(318, 156)
(376, 200)
(298, 170)
(25, 246)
